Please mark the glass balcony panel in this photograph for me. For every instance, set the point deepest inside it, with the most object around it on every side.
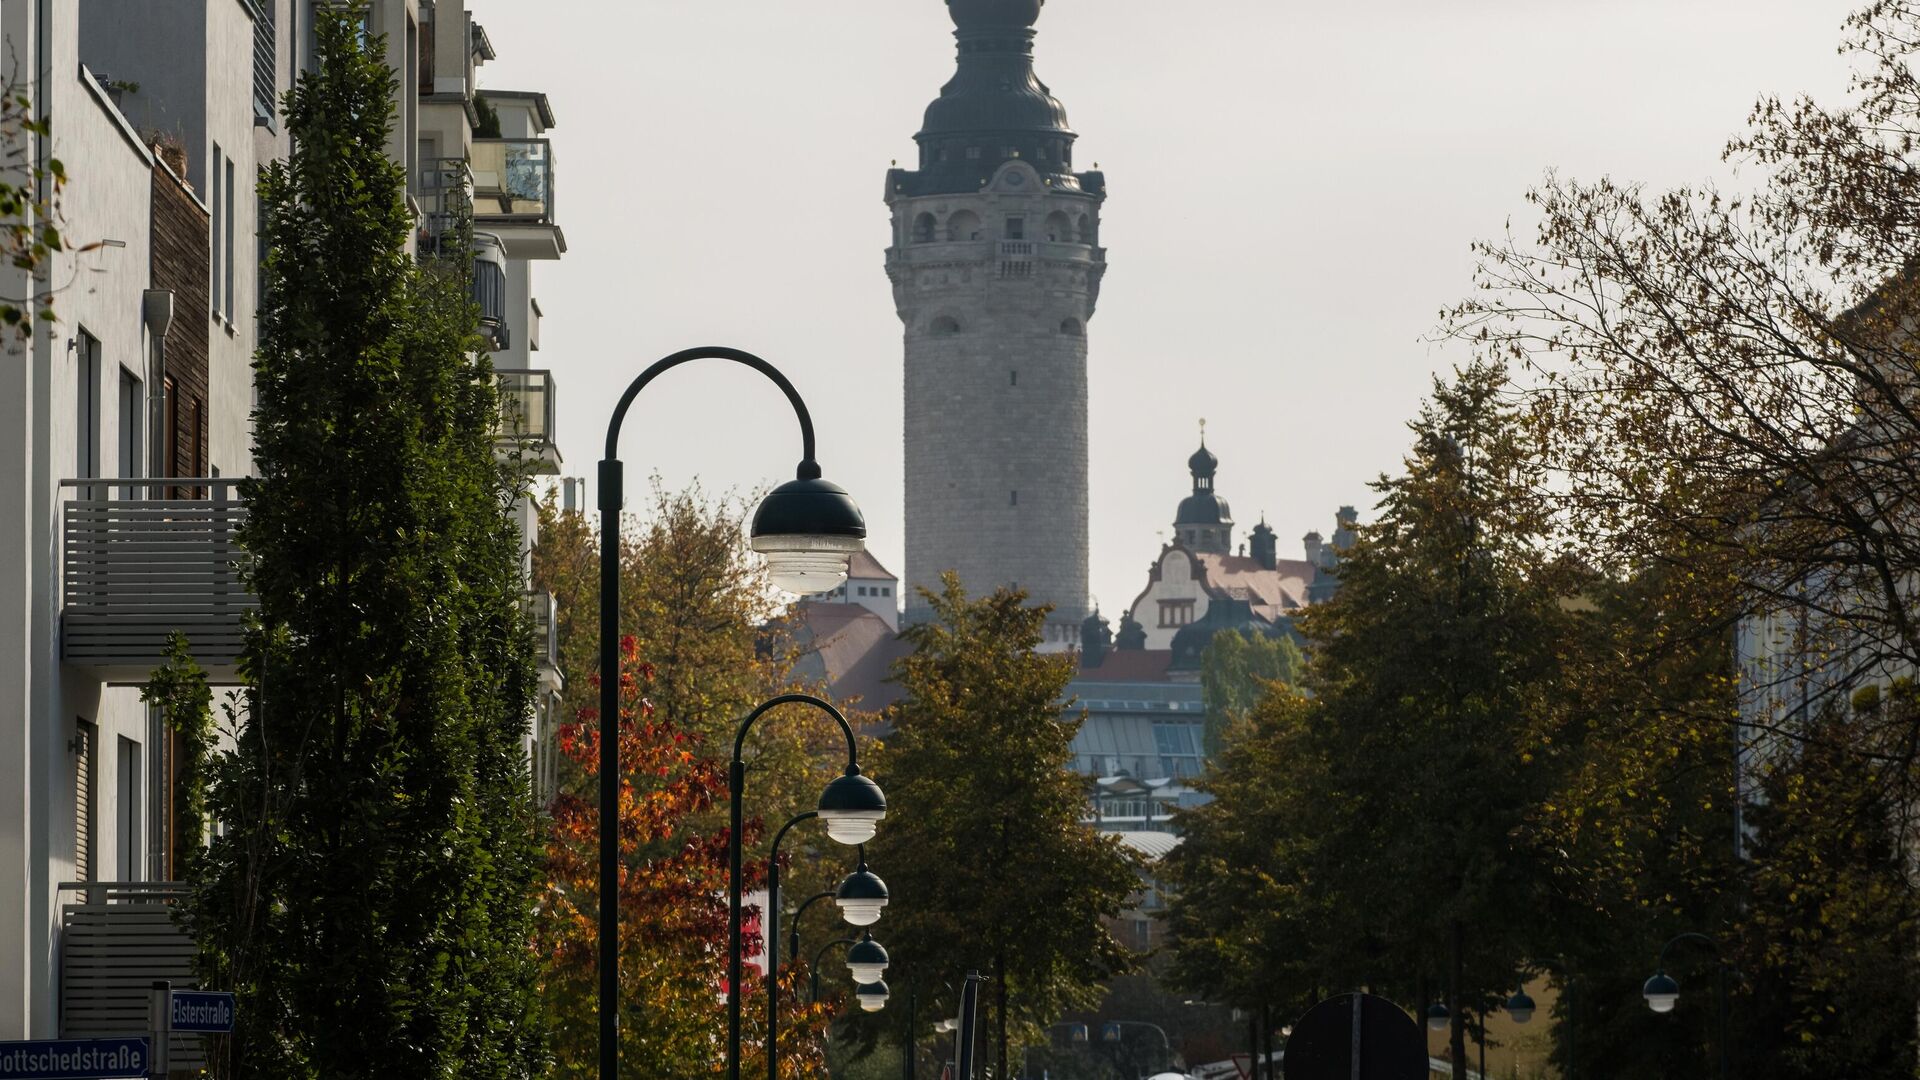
(513, 180)
(526, 405)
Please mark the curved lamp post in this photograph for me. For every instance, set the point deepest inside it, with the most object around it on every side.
(793, 935)
(867, 959)
(807, 528)
(814, 968)
(1663, 991)
(851, 806)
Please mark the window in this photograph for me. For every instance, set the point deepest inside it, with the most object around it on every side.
(132, 428)
(1176, 612)
(886, 590)
(215, 176)
(226, 282)
(1013, 378)
(82, 747)
(1016, 228)
(973, 153)
(945, 325)
(127, 840)
(923, 228)
(1013, 498)
(170, 429)
(87, 405)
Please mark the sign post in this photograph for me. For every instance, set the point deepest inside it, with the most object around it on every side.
(160, 1015)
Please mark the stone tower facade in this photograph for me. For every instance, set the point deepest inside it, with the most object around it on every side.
(996, 266)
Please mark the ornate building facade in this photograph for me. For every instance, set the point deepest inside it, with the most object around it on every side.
(996, 265)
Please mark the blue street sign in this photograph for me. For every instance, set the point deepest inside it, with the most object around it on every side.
(75, 1059)
(1110, 1033)
(198, 1010)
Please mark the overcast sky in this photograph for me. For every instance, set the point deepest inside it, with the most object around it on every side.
(1293, 188)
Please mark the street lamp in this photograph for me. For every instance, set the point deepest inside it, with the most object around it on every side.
(861, 896)
(814, 968)
(808, 529)
(1520, 1007)
(852, 801)
(871, 996)
(867, 960)
(1662, 992)
(1439, 1017)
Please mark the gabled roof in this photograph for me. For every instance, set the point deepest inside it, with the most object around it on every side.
(1272, 593)
(856, 650)
(865, 567)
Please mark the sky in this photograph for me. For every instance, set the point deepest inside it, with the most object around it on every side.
(1293, 189)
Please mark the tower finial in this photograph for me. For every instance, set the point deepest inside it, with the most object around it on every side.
(1203, 431)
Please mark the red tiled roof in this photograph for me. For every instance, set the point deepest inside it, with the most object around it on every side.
(857, 650)
(1271, 592)
(866, 567)
(1128, 665)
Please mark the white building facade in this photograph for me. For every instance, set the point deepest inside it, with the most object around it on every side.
(163, 115)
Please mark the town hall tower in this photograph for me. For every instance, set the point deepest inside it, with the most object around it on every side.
(996, 265)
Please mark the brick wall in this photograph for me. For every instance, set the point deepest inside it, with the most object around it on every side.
(182, 262)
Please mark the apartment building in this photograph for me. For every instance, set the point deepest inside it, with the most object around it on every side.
(128, 422)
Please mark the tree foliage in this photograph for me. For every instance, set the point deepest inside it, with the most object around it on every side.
(179, 689)
(985, 847)
(371, 900)
(1238, 669)
(31, 190)
(673, 887)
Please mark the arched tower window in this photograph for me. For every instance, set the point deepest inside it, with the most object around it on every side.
(1086, 229)
(923, 228)
(963, 225)
(944, 326)
(1071, 327)
(1059, 227)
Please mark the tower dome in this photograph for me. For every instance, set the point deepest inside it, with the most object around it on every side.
(1204, 523)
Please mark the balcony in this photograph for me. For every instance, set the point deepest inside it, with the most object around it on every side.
(140, 560)
(446, 207)
(116, 938)
(526, 428)
(546, 635)
(513, 196)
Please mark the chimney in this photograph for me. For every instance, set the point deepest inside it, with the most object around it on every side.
(1266, 547)
(1316, 548)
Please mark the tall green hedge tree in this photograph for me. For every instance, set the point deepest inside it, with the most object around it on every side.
(372, 896)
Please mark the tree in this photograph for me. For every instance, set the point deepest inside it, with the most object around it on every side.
(179, 689)
(31, 190)
(673, 944)
(1236, 671)
(701, 613)
(1394, 844)
(985, 847)
(371, 900)
(1726, 382)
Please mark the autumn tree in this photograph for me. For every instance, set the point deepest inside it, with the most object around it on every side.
(673, 888)
(371, 896)
(986, 848)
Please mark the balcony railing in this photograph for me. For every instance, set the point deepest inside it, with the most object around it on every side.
(526, 426)
(546, 628)
(137, 565)
(513, 181)
(116, 938)
(446, 207)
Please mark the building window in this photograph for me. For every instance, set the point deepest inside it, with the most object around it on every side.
(215, 176)
(973, 153)
(131, 425)
(1013, 378)
(129, 790)
(1016, 228)
(1176, 612)
(226, 282)
(1013, 498)
(886, 590)
(87, 404)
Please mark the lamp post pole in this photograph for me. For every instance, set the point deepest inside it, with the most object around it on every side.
(838, 799)
(773, 938)
(809, 515)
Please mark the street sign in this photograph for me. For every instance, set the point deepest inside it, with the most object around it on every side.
(75, 1059)
(203, 1011)
(1243, 1064)
(1356, 1037)
(1110, 1033)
